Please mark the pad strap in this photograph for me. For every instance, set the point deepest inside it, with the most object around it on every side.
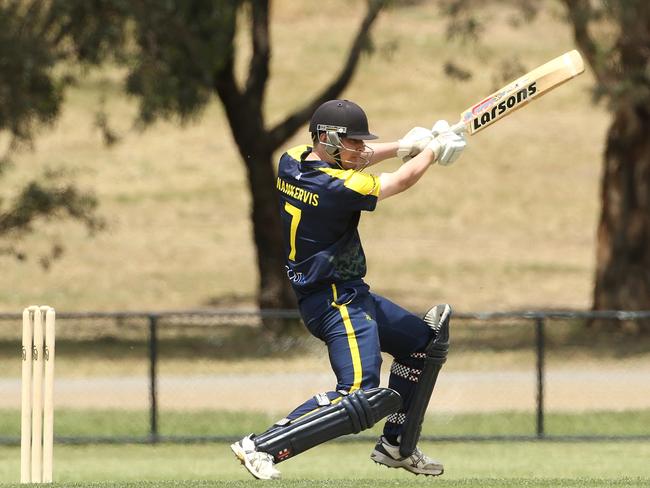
(406, 372)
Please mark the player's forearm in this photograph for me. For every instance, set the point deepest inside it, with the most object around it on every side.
(383, 151)
(407, 175)
(410, 172)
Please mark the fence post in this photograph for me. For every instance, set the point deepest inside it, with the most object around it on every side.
(539, 341)
(153, 378)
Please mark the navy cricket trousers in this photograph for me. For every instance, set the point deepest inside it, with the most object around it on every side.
(356, 325)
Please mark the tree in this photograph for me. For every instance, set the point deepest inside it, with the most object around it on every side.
(186, 52)
(614, 38)
(620, 65)
(31, 97)
(179, 53)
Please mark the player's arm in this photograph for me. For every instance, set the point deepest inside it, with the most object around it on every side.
(382, 151)
(444, 148)
(406, 176)
(412, 144)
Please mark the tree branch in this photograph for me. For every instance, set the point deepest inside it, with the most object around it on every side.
(228, 91)
(258, 71)
(285, 129)
(580, 12)
(225, 84)
(39, 201)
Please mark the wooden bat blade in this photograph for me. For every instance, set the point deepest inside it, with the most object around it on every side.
(520, 92)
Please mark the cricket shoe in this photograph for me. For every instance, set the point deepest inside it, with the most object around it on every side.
(387, 454)
(259, 464)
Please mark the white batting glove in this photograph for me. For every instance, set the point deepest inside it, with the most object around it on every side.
(413, 143)
(439, 127)
(447, 146)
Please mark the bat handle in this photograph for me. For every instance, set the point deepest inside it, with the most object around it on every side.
(458, 127)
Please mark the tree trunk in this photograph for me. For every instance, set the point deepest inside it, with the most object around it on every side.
(623, 252)
(247, 126)
(274, 290)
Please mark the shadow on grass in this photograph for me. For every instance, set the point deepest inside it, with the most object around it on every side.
(236, 343)
(123, 340)
(561, 338)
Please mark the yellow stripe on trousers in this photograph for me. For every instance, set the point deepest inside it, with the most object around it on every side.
(352, 342)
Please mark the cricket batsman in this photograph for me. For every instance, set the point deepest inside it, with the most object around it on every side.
(322, 190)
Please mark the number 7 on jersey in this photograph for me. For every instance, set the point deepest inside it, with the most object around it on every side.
(295, 213)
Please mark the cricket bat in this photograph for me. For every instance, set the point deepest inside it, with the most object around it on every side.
(520, 92)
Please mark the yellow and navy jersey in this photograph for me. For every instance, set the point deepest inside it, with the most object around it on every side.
(320, 208)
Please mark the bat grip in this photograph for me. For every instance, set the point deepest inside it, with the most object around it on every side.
(458, 127)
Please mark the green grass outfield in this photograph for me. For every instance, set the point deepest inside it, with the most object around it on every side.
(507, 464)
(135, 423)
(502, 464)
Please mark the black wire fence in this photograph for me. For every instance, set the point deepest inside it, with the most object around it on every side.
(198, 376)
